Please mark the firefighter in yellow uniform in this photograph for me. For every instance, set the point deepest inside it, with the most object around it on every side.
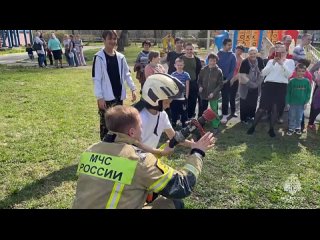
(117, 174)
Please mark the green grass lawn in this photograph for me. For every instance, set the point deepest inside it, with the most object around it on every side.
(48, 117)
(13, 50)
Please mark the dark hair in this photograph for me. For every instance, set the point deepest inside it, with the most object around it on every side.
(146, 42)
(177, 40)
(110, 33)
(301, 66)
(152, 55)
(225, 41)
(240, 47)
(305, 62)
(213, 56)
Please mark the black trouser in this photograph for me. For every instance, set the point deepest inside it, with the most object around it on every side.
(103, 126)
(248, 106)
(50, 59)
(313, 112)
(179, 108)
(229, 95)
(45, 58)
(313, 115)
(192, 99)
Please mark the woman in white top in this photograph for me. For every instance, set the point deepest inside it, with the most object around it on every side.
(274, 89)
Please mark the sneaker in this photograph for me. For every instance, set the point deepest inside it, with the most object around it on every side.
(250, 130)
(290, 132)
(312, 127)
(298, 131)
(233, 115)
(224, 119)
(245, 122)
(280, 120)
(272, 133)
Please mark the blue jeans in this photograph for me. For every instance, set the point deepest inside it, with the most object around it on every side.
(40, 59)
(295, 116)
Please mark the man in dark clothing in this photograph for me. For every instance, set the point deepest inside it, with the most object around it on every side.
(172, 56)
(227, 63)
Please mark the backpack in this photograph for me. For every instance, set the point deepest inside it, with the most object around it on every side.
(36, 46)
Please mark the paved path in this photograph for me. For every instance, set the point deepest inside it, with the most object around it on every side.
(18, 58)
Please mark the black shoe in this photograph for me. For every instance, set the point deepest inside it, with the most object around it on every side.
(271, 133)
(250, 130)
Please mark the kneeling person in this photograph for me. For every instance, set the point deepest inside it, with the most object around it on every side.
(116, 173)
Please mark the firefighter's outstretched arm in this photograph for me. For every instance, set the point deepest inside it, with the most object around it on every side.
(179, 184)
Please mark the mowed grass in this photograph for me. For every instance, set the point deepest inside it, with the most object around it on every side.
(48, 117)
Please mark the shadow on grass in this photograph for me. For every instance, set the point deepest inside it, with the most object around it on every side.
(40, 187)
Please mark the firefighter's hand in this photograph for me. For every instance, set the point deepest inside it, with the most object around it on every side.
(167, 151)
(101, 104)
(134, 96)
(204, 143)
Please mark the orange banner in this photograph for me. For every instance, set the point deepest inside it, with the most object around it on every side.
(248, 38)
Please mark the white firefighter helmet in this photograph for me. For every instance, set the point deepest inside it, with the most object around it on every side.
(160, 86)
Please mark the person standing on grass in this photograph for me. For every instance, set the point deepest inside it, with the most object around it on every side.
(179, 104)
(274, 90)
(249, 83)
(40, 49)
(66, 41)
(72, 51)
(142, 61)
(239, 52)
(192, 65)
(109, 72)
(210, 84)
(315, 104)
(29, 50)
(173, 55)
(308, 76)
(54, 45)
(227, 63)
(298, 95)
(79, 50)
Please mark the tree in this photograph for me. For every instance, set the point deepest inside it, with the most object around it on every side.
(155, 37)
(173, 33)
(123, 40)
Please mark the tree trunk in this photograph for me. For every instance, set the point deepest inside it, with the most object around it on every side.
(173, 33)
(123, 39)
(72, 31)
(155, 37)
